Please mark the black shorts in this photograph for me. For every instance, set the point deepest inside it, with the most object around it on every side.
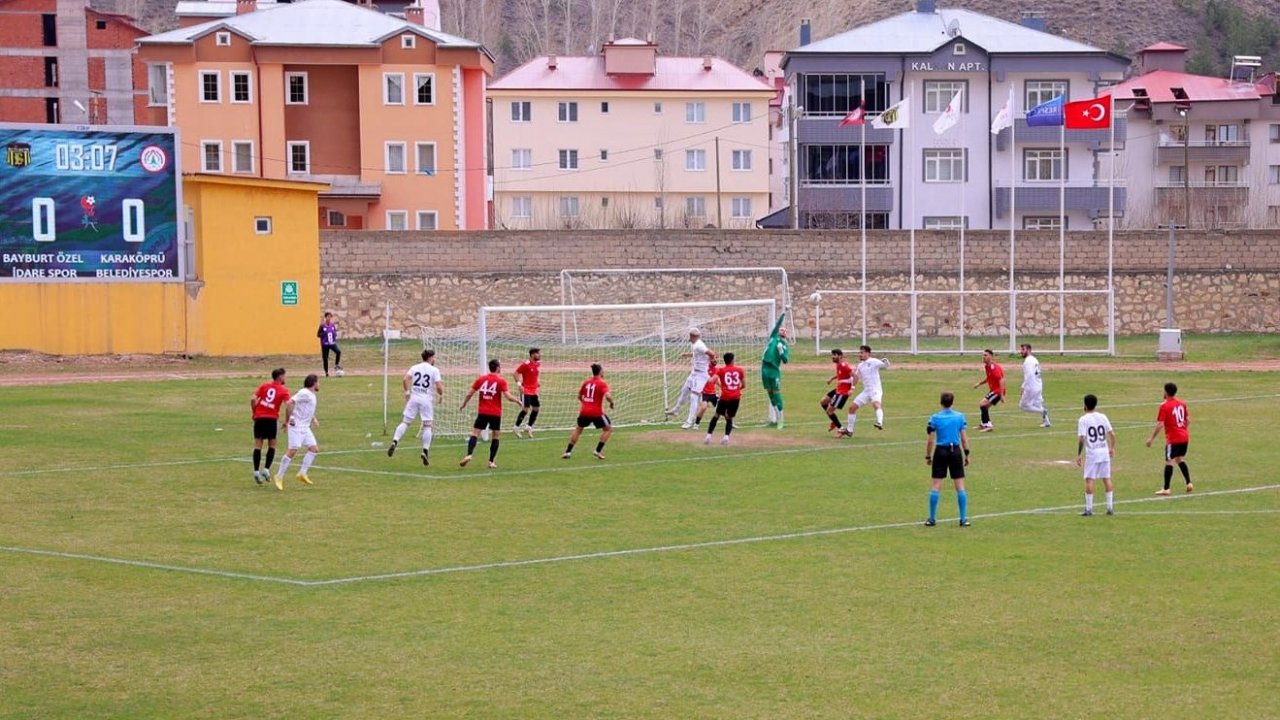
(994, 399)
(728, 408)
(600, 422)
(488, 422)
(1173, 450)
(837, 400)
(265, 428)
(532, 401)
(948, 458)
(710, 398)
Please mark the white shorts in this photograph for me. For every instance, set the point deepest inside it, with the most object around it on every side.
(1097, 469)
(300, 437)
(422, 406)
(866, 397)
(696, 381)
(1032, 399)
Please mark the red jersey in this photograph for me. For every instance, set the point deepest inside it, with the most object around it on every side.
(844, 378)
(710, 387)
(592, 395)
(730, 382)
(1173, 413)
(267, 401)
(995, 374)
(490, 387)
(528, 372)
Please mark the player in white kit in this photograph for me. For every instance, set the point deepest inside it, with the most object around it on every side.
(692, 388)
(1032, 399)
(868, 373)
(1096, 446)
(422, 386)
(300, 418)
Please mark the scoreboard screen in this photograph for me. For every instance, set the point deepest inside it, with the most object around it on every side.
(83, 204)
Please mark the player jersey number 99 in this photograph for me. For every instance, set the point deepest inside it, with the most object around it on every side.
(44, 220)
(422, 381)
(1096, 434)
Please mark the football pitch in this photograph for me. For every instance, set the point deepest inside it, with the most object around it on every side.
(787, 575)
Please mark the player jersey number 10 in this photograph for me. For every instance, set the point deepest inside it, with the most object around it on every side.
(44, 226)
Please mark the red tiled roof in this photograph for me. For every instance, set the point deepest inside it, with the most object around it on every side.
(587, 73)
(1159, 85)
(1163, 47)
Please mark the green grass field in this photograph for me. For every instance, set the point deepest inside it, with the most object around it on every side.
(785, 576)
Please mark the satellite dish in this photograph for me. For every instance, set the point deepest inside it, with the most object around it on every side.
(953, 28)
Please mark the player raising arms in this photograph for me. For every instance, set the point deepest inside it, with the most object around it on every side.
(299, 418)
(868, 373)
(692, 388)
(837, 397)
(593, 394)
(776, 354)
(709, 394)
(527, 374)
(266, 403)
(731, 379)
(422, 386)
(492, 388)
(994, 378)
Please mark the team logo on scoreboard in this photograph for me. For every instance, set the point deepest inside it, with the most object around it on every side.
(153, 159)
(17, 154)
(88, 205)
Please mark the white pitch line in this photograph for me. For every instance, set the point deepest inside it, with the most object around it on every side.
(1195, 512)
(152, 565)
(126, 466)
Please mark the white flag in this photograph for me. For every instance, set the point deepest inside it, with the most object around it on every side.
(950, 116)
(894, 117)
(1004, 118)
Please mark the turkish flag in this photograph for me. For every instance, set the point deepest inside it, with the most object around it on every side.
(853, 118)
(1092, 114)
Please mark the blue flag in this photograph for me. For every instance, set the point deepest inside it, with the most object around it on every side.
(1047, 113)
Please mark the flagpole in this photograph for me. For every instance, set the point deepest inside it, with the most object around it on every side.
(862, 222)
(1013, 218)
(1062, 233)
(964, 190)
(911, 234)
(1111, 227)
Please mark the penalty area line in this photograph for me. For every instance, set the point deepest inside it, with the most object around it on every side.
(152, 565)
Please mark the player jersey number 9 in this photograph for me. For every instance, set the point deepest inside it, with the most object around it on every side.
(422, 381)
(269, 398)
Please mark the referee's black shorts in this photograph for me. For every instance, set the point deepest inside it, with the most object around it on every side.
(948, 458)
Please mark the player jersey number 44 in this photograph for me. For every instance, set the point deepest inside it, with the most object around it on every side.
(490, 388)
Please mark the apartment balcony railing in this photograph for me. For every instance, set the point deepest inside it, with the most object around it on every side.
(1091, 198)
(1172, 152)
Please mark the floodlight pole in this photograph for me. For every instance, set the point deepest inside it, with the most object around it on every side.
(1168, 289)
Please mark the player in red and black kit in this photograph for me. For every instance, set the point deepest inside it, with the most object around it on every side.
(266, 403)
(527, 374)
(994, 379)
(1173, 418)
(492, 388)
(731, 378)
(593, 394)
(709, 396)
(835, 399)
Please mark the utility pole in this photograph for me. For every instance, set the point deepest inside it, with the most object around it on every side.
(719, 206)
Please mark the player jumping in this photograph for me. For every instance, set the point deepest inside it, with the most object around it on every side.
(776, 354)
(731, 380)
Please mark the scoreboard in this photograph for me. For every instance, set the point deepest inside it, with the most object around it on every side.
(86, 204)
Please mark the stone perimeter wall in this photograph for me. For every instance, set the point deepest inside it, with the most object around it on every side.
(1226, 282)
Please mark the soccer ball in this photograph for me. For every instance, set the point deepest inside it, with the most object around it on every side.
(815, 298)
(340, 373)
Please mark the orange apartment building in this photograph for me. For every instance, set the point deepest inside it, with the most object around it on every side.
(386, 109)
(61, 61)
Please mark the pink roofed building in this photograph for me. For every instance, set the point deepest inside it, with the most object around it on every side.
(628, 138)
(1201, 151)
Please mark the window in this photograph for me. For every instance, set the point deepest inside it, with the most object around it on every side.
(1177, 173)
(51, 72)
(262, 225)
(1273, 215)
(695, 207)
(944, 165)
(1041, 223)
(695, 160)
(657, 108)
(1040, 92)
(1221, 174)
(100, 24)
(295, 88)
(567, 111)
(392, 88)
(211, 156)
(49, 29)
(242, 156)
(1273, 174)
(830, 94)
(741, 160)
(425, 153)
(695, 112)
(959, 49)
(938, 93)
(394, 157)
(210, 86)
(299, 157)
(657, 202)
(397, 220)
(742, 112)
(241, 87)
(568, 159)
(1042, 165)
(1221, 134)
(222, 39)
(604, 108)
(604, 155)
(522, 159)
(740, 208)
(424, 89)
(839, 165)
(657, 154)
(408, 42)
(569, 207)
(944, 222)
(337, 219)
(604, 202)
(428, 220)
(521, 111)
(521, 207)
(157, 85)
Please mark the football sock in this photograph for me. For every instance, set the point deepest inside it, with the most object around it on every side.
(271, 455)
(962, 499)
(307, 459)
(600, 446)
(533, 417)
(471, 445)
(284, 464)
(337, 358)
(711, 427)
(693, 410)
(986, 415)
(257, 459)
(728, 426)
(1168, 475)
(1044, 415)
(493, 449)
(879, 416)
(1111, 505)
(426, 438)
(834, 421)
(568, 448)
(520, 418)
(325, 356)
(1186, 471)
(773, 412)
(400, 431)
(933, 504)
(850, 419)
(1088, 502)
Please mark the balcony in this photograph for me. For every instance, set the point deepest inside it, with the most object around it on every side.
(1095, 139)
(819, 196)
(826, 130)
(1091, 198)
(343, 186)
(1208, 193)
(1171, 151)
